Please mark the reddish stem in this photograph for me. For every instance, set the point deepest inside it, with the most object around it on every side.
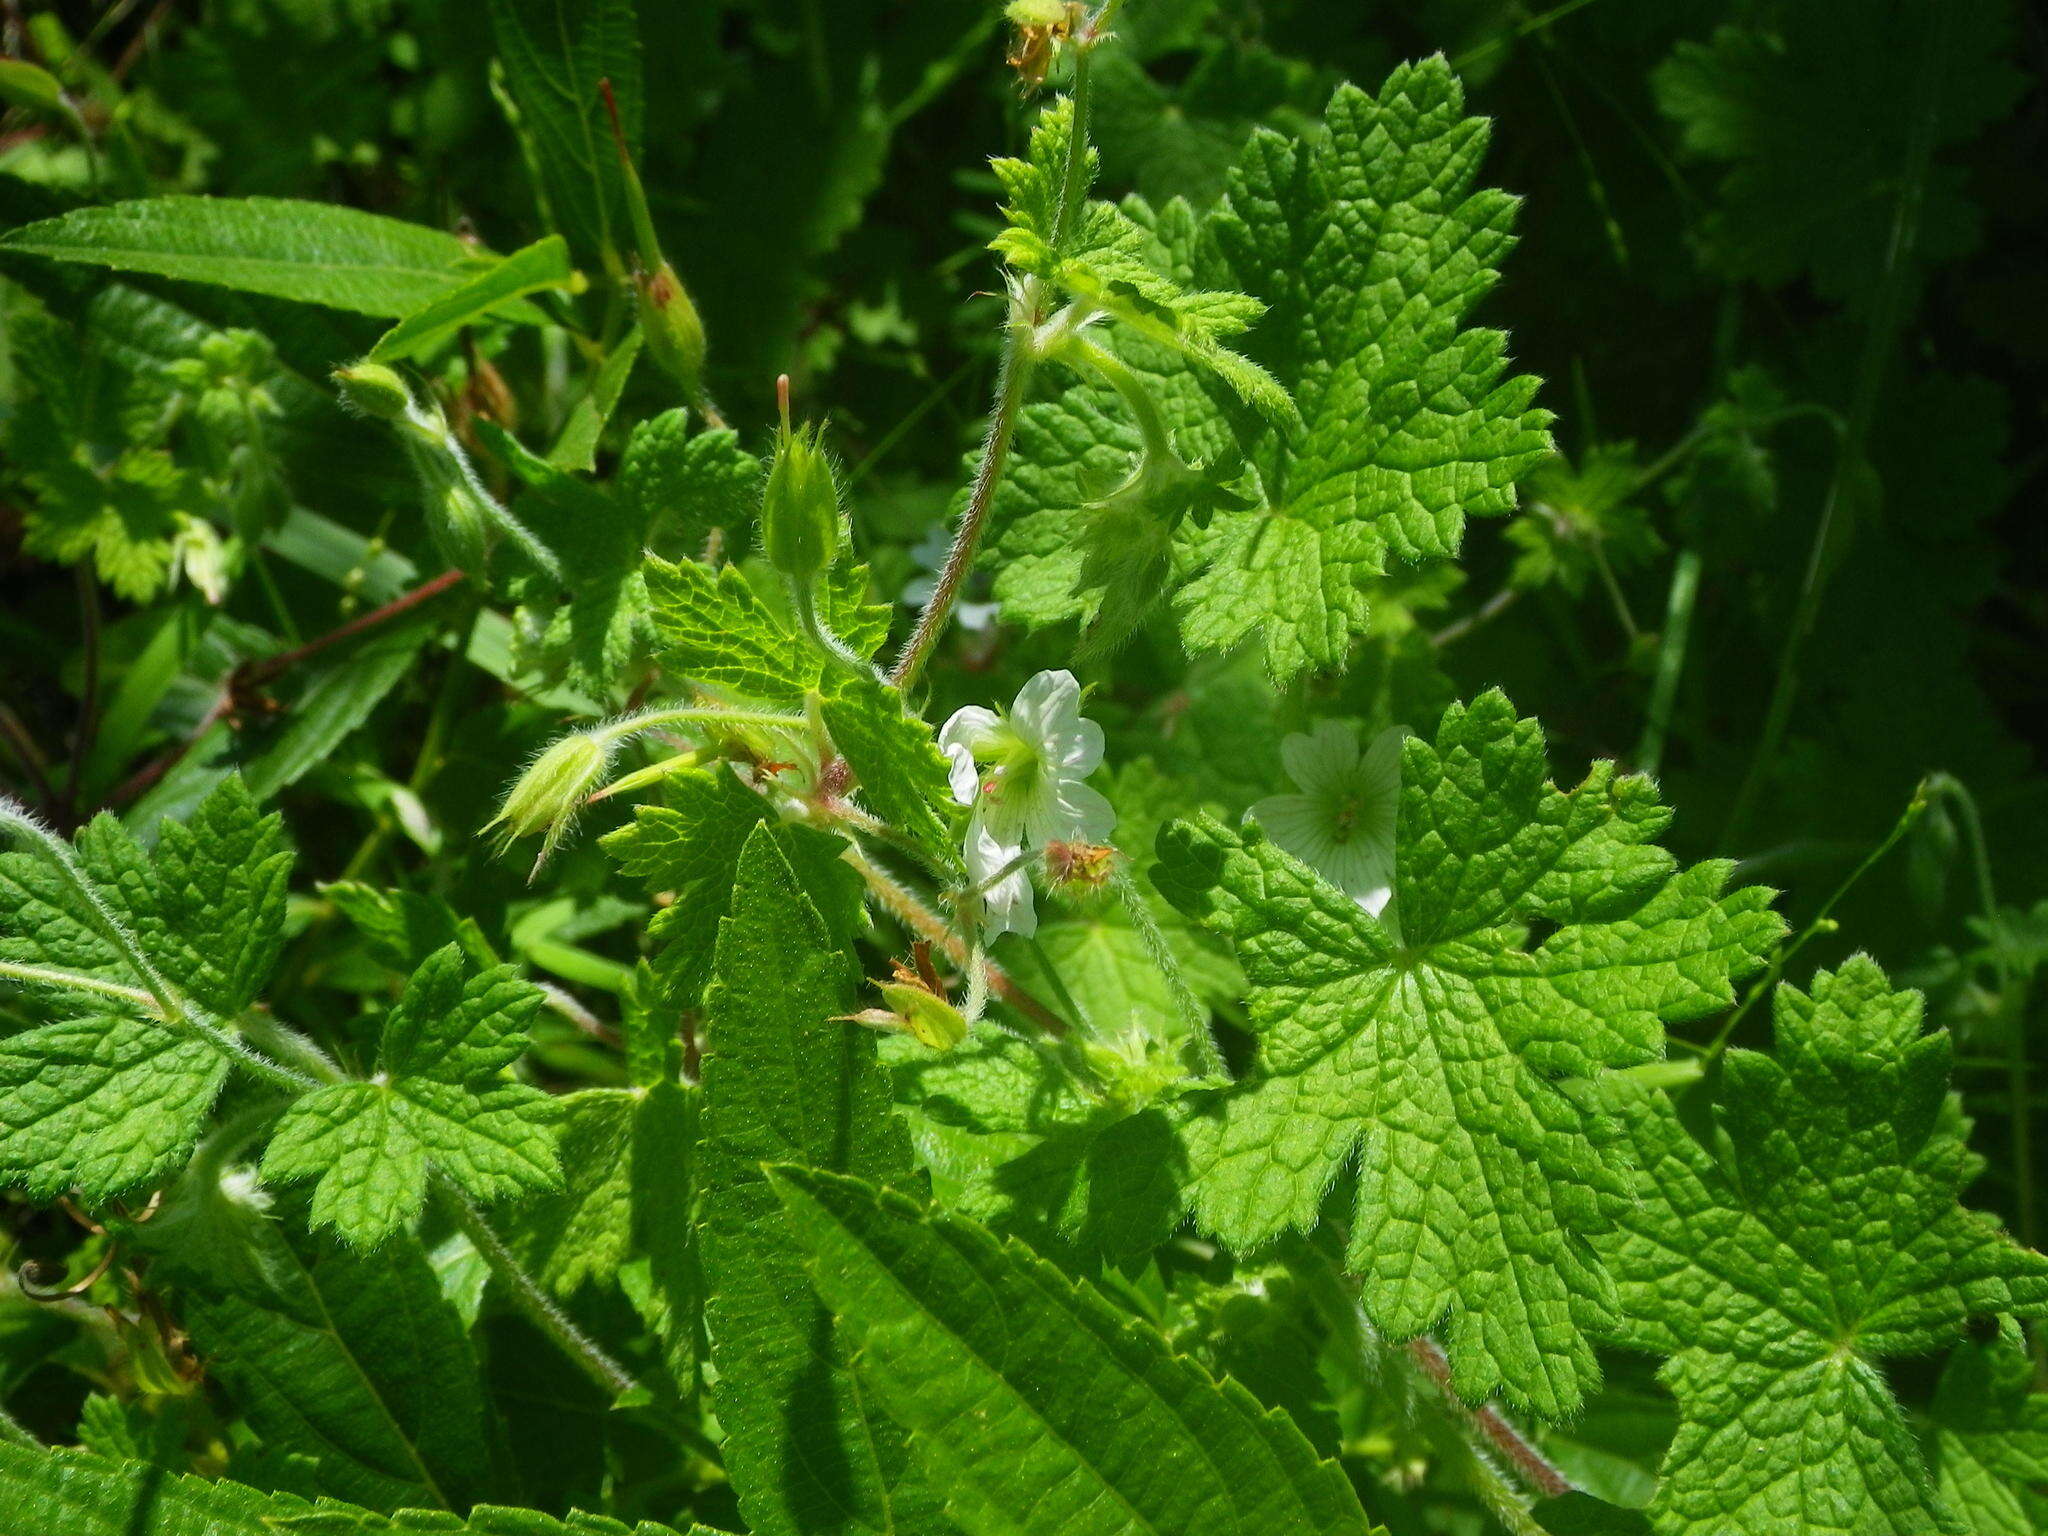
(1499, 1430)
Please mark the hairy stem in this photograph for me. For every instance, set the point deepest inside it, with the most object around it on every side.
(903, 905)
(1011, 375)
(45, 976)
(1500, 1431)
(1201, 1041)
(1484, 1431)
(538, 1307)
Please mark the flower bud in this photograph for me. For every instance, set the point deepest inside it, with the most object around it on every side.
(668, 319)
(800, 508)
(932, 1021)
(374, 390)
(548, 795)
(1078, 868)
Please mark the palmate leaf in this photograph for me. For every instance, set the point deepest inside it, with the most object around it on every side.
(1779, 1272)
(1449, 1061)
(715, 628)
(1990, 1442)
(683, 484)
(433, 1103)
(1367, 247)
(1034, 1406)
(110, 1097)
(80, 1494)
(787, 1079)
(1813, 110)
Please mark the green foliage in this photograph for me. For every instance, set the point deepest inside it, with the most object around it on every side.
(435, 1101)
(1822, 1239)
(1441, 1049)
(554, 54)
(971, 1343)
(1081, 1006)
(787, 1080)
(115, 1095)
(314, 253)
(356, 1361)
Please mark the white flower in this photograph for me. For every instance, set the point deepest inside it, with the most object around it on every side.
(1006, 905)
(1341, 824)
(1021, 771)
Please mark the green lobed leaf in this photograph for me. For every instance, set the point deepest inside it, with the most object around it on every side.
(685, 484)
(1822, 1236)
(207, 905)
(435, 1101)
(895, 760)
(715, 629)
(1990, 1441)
(1449, 1060)
(1369, 247)
(1034, 1406)
(103, 1104)
(1101, 259)
(316, 253)
(1818, 107)
(785, 1080)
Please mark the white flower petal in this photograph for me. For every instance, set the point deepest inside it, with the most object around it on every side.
(1007, 905)
(1010, 908)
(1299, 824)
(1084, 813)
(961, 773)
(1080, 751)
(1047, 708)
(972, 727)
(1324, 761)
(983, 851)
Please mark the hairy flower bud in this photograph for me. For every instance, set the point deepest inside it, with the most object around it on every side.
(548, 795)
(374, 390)
(800, 508)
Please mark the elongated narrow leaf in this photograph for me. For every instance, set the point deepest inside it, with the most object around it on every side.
(72, 1493)
(544, 264)
(555, 52)
(357, 1361)
(787, 1081)
(1035, 1407)
(314, 252)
